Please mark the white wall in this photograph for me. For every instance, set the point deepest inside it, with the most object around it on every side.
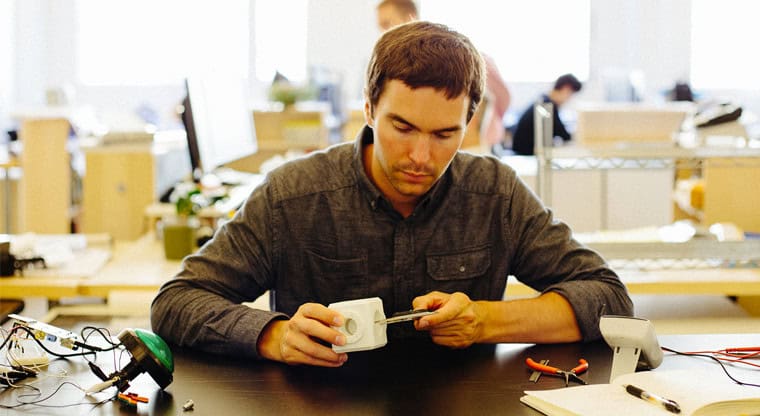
(30, 54)
(341, 36)
(648, 35)
(626, 35)
(7, 49)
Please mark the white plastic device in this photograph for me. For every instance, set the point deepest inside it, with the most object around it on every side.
(361, 327)
(47, 332)
(634, 344)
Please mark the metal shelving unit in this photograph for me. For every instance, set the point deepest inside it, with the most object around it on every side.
(690, 255)
(624, 155)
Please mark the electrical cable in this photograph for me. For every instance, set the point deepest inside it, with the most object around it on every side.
(14, 406)
(60, 386)
(737, 354)
(103, 332)
(717, 360)
(10, 337)
(7, 337)
(107, 337)
(56, 354)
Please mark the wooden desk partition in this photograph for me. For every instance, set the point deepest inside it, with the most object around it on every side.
(45, 189)
(119, 184)
(731, 194)
(290, 129)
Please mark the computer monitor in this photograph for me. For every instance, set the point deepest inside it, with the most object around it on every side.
(218, 122)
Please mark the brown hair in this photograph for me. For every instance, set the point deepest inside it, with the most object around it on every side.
(403, 7)
(424, 54)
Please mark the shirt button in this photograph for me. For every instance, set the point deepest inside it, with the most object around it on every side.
(373, 204)
(461, 268)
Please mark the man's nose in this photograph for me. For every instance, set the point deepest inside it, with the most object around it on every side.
(420, 151)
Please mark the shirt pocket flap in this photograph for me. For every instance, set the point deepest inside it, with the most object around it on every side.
(337, 267)
(459, 266)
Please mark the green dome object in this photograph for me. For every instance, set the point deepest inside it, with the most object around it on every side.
(158, 347)
(149, 354)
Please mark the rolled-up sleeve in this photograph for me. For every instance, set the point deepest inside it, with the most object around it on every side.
(202, 306)
(547, 258)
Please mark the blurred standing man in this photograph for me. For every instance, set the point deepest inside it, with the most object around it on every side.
(392, 13)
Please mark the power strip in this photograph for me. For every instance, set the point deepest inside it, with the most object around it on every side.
(28, 354)
(43, 331)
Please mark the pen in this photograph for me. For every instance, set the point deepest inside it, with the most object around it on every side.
(666, 404)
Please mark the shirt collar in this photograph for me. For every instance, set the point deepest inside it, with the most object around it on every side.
(375, 198)
(370, 191)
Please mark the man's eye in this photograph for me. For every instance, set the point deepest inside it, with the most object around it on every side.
(443, 135)
(403, 129)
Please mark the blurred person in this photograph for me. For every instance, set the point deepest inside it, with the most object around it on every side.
(523, 140)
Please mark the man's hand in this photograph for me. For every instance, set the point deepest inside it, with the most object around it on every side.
(295, 341)
(458, 321)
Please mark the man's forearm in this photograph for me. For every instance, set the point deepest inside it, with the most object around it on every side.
(196, 318)
(548, 318)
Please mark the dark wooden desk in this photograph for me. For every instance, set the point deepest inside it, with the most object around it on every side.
(399, 379)
(402, 378)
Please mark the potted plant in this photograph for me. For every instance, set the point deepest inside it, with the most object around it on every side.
(288, 93)
(179, 231)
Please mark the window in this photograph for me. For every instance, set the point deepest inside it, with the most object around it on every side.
(280, 32)
(531, 41)
(144, 42)
(722, 44)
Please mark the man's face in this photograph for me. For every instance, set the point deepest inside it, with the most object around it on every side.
(388, 17)
(417, 132)
(564, 95)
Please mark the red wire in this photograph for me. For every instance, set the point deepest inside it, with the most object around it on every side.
(730, 355)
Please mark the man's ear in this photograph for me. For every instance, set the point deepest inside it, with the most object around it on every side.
(368, 114)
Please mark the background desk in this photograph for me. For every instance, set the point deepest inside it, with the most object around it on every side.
(141, 266)
(397, 379)
(136, 266)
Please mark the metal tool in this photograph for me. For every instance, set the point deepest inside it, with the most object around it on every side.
(536, 374)
(405, 316)
(554, 371)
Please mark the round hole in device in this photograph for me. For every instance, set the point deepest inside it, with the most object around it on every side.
(351, 326)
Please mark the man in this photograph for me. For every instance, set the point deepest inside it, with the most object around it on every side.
(523, 140)
(399, 214)
(391, 13)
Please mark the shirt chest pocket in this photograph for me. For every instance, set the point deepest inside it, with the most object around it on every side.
(335, 280)
(464, 271)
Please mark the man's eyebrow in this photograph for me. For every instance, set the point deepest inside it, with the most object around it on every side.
(398, 118)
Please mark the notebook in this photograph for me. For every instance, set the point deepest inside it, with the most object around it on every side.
(697, 393)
